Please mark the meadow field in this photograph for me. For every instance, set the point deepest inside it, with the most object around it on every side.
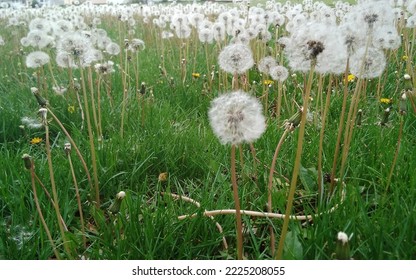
(208, 131)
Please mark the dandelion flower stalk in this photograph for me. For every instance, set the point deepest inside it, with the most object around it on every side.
(43, 113)
(396, 153)
(236, 118)
(296, 167)
(67, 149)
(270, 186)
(91, 140)
(29, 165)
(73, 145)
(239, 223)
(321, 138)
(50, 198)
(93, 107)
(340, 128)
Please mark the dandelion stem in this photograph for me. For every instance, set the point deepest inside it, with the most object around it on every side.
(81, 215)
(396, 154)
(42, 219)
(296, 167)
(54, 192)
(91, 138)
(270, 186)
(74, 146)
(237, 205)
(197, 204)
(50, 198)
(321, 138)
(340, 129)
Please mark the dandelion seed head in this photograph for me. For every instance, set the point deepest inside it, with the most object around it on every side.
(266, 63)
(113, 48)
(37, 59)
(343, 237)
(279, 73)
(236, 118)
(31, 122)
(104, 68)
(236, 58)
(371, 63)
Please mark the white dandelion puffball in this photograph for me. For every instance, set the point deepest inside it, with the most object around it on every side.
(343, 237)
(236, 58)
(37, 59)
(367, 63)
(236, 118)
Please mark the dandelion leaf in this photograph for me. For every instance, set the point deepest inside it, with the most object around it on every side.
(309, 178)
(292, 249)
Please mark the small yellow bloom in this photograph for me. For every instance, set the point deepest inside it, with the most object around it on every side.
(36, 140)
(196, 75)
(351, 78)
(385, 100)
(405, 58)
(71, 109)
(268, 82)
(163, 177)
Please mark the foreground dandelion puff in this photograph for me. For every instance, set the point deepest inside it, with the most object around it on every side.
(236, 118)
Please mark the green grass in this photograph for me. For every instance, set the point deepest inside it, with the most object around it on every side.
(174, 136)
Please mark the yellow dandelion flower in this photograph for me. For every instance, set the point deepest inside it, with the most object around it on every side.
(405, 58)
(196, 75)
(351, 78)
(36, 140)
(385, 100)
(71, 109)
(268, 82)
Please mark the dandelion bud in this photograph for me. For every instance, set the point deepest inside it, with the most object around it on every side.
(294, 120)
(67, 148)
(143, 88)
(358, 120)
(34, 90)
(403, 104)
(41, 101)
(43, 112)
(116, 205)
(342, 251)
(27, 161)
(386, 115)
(408, 82)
